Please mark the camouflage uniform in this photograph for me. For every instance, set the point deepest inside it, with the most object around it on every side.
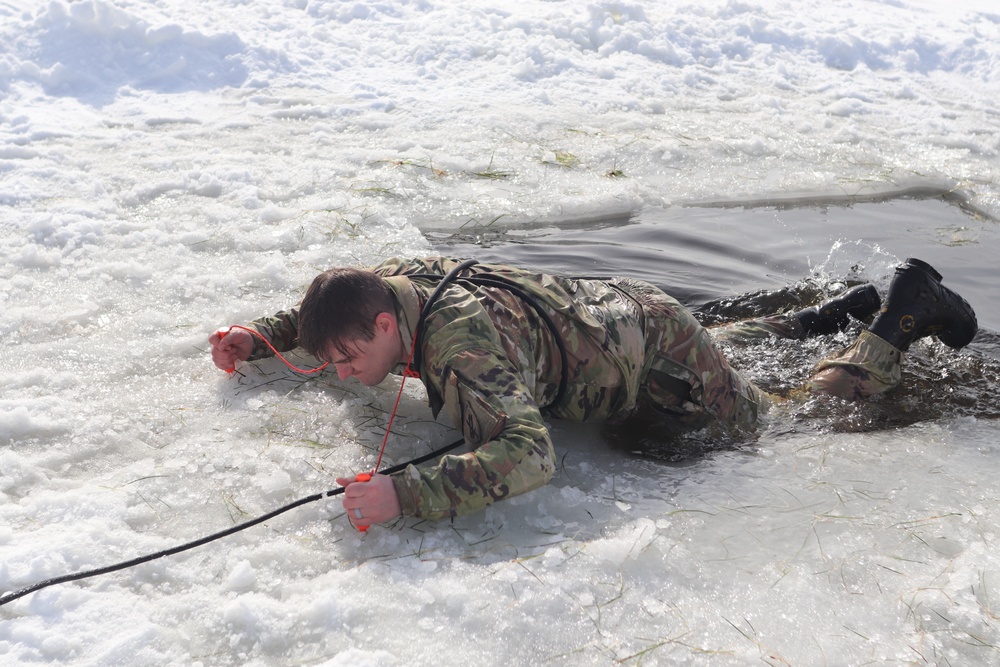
(492, 362)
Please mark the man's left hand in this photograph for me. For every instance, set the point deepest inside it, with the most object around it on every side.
(375, 500)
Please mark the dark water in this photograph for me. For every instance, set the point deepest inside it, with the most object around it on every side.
(733, 263)
(702, 254)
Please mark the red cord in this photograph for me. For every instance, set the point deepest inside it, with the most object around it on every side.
(305, 371)
(408, 373)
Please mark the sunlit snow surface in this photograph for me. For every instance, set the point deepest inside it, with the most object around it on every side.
(169, 167)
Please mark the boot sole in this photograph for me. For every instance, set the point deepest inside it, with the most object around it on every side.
(957, 337)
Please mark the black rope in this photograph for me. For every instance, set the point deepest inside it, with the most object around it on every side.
(10, 597)
(506, 283)
(422, 320)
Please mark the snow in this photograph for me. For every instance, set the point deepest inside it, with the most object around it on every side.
(167, 167)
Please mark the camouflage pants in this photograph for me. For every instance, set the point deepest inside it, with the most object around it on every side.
(686, 376)
(870, 366)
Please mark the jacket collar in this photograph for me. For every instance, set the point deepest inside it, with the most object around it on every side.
(408, 305)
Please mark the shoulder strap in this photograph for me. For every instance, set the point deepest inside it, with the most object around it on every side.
(502, 282)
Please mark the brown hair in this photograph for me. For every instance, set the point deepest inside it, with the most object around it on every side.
(340, 306)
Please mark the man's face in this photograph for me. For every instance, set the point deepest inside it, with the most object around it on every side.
(370, 361)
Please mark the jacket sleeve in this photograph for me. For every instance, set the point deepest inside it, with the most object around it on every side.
(281, 329)
(485, 394)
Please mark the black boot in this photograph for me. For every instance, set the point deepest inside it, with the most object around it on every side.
(919, 305)
(831, 316)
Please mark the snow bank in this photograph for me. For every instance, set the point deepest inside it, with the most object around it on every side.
(169, 167)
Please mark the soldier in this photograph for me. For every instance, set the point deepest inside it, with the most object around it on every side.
(496, 345)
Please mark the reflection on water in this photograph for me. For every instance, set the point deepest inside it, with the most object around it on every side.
(731, 264)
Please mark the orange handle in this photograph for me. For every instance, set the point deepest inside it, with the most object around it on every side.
(362, 477)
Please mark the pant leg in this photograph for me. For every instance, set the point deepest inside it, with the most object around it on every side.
(772, 326)
(870, 366)
(685, 375)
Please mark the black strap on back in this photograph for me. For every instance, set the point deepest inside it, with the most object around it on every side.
(501, 282)
(425, 311)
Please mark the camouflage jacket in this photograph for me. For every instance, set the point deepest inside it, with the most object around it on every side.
(492, 363)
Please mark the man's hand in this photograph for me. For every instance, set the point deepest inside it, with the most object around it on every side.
(228, 348)
(376, 500)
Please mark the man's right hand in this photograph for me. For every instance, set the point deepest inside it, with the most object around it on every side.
(229, 347)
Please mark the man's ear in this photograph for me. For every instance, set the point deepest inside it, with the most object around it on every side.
(385, 322)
